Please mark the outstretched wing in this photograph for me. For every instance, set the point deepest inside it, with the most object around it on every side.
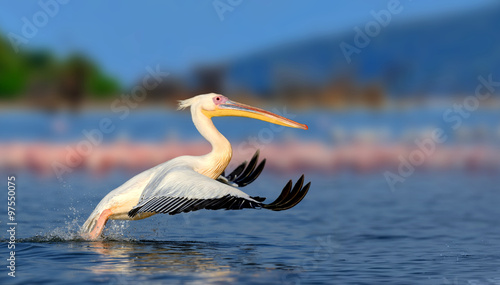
(244, 174)
(185, 190)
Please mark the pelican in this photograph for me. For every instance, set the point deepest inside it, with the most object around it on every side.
(191, 183)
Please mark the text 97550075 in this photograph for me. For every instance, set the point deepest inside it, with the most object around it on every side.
(11, 224)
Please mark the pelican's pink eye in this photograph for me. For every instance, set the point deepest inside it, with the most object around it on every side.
(219, 100)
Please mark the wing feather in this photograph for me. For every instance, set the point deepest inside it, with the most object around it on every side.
(245, 173)
(182, 190)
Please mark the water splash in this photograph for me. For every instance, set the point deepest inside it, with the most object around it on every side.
(70, 231)
(117, 231)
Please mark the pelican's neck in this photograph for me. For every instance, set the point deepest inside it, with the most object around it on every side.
(213, 163)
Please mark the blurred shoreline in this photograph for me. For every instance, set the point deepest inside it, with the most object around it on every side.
(285, 157)
(360, 140)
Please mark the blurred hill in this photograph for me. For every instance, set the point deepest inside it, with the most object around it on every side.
(430, 57)
(439, 57)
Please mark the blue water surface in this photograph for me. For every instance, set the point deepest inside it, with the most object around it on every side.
(436, 228)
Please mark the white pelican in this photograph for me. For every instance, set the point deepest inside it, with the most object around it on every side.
(190, 183)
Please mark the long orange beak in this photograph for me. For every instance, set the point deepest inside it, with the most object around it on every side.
(231, 108)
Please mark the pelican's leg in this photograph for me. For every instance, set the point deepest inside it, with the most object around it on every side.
(101, 222)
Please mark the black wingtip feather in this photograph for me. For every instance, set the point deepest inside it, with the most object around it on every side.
(237, 171)
(289, 197)
(296, 200)
(283, 195)
(249, 169)
(251, 178)
(293, 193)
(245, 173)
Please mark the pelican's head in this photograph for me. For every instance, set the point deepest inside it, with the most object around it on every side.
(215, 105)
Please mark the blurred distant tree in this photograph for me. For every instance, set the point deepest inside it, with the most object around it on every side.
(102, 86)
(170, 89)
(12, 72)
(80, 77)
(44, 78)
(373, 96)
(40, 61)
(72, 80)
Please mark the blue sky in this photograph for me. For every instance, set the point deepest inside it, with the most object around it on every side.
(126, 38)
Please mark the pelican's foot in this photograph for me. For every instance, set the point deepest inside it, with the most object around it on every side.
(99, 227)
